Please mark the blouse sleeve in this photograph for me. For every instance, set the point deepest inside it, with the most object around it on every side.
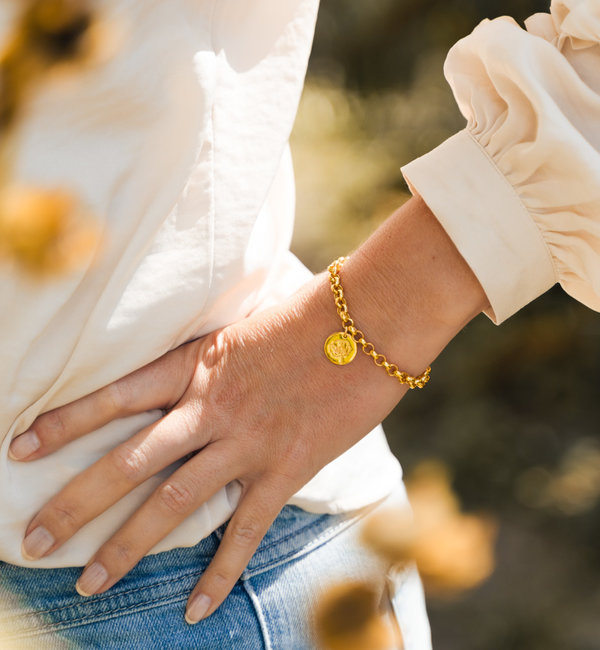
(518, 190)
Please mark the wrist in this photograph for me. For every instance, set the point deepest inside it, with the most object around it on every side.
(409, 290)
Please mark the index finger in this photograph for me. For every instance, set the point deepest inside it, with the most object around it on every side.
(256, 511)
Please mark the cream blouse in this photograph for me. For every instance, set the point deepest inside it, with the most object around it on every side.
(518, 190)
(178, 144)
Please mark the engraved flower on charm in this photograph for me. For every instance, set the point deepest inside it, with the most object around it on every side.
(340, 348)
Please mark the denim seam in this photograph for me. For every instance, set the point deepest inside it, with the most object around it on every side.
(399, 631)
(298, 532)
(108, 597)
(323, 538)
(393, 589)
(285, 537)
(294, 534)
(93, 618)
(315, 543)
(262, 621)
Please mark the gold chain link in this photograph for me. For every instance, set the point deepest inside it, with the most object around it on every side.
(351, 330)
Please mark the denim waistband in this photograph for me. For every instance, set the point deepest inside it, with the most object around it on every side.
(34, 601)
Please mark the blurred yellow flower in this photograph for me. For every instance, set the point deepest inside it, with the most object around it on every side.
(453, 551)
(44, 232)
(458, 555)
(348, 618)
(57, 26)
(47, 35)
(572, 488)
(17, 70)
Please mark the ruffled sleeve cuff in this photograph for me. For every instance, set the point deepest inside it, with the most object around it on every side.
(485, 218)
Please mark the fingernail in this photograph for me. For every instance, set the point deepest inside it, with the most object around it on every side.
(24, 445)
(37, 543)
(91, 579)
(197, 609)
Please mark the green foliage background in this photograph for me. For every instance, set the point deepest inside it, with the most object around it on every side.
(512, 410)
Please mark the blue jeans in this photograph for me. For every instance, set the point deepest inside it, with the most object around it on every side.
(270, 606)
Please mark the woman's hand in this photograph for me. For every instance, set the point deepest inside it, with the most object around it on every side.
(259, 403)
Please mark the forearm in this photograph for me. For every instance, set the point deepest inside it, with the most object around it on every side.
(410, 288)
(410, 292)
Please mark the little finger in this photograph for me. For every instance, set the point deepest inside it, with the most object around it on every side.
(156, 385)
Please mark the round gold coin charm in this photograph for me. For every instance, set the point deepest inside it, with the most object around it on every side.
(340, 348)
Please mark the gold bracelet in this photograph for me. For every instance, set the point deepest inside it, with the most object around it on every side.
(340, 347)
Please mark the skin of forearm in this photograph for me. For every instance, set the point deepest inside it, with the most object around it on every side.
(408, 290)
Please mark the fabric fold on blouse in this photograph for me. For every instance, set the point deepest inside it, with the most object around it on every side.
(171, 145)
(519, 190)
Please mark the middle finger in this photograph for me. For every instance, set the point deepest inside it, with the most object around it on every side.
(109, 479)
(175, 499)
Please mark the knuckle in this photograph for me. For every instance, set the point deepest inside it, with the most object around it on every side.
(226, 396)
(176, 498)
(64, 514)
(245, 534)
(118, 397)
(295, 459)
(120, 554)
(130, 462)
(188, 419)
(187, 359)
(221, 579)
(226, 391)
(51, 424)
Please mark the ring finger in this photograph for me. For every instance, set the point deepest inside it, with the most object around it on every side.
(175, 499)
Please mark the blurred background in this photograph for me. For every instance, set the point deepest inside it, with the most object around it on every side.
(512, 411)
